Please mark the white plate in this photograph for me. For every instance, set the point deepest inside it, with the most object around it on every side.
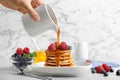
(80, 69)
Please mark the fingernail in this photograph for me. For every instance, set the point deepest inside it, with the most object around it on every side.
(36, 18)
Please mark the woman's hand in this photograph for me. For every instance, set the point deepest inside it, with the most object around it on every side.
(24, 6)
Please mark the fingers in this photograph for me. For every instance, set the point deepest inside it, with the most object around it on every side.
(39, 2)
(34, 5)
(9, 6)
(30, 8)
(33, 14)
(22, 10)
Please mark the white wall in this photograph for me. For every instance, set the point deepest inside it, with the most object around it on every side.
(94, 21)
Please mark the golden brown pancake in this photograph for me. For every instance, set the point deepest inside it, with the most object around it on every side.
(59, 58)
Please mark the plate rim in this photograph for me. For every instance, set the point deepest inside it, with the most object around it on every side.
(88, 65)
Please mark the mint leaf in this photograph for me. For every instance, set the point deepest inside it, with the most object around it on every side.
(33, 54)
(26, 56)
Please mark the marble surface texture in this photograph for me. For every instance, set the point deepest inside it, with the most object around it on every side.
(93, 21)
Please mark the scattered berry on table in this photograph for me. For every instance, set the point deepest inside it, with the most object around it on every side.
(110, 67)
(99, 69)
(118, 72)
(19, 51)
(26, 50)
(106, 67)
(89, 61)
(105, 74)
(93, 70)
(111, 70)
(103, 71)
(95, 67)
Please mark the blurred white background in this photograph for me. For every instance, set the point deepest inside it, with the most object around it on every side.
(93, 21)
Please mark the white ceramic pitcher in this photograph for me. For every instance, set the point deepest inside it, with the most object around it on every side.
(48, 21)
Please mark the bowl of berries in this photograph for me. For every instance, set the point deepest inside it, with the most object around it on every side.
(22, 58)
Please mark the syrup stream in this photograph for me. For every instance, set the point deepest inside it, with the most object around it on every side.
(57, 54)
(58, 37)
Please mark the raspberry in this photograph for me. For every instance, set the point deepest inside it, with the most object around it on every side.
(19, 51)
(89, 61)
(63, 46)
(99, 69)
(106, 67)
(26, 50)
(52, 44)
(63, 42)
(52, 47)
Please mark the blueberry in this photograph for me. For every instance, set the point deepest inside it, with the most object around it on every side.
(69, 47)
(111, 70)
(118, 73)
(110, 67)
(95, 67)
(106, 74)
(18, 56)
(93, 70)
(22, 60)
(103, 72)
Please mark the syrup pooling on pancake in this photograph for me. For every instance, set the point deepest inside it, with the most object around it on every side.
(59, 53)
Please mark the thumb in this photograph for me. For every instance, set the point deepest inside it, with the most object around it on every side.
(33, 14)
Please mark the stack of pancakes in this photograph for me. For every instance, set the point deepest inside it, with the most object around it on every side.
(59, 58)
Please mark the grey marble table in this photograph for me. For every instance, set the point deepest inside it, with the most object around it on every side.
(7, 74)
